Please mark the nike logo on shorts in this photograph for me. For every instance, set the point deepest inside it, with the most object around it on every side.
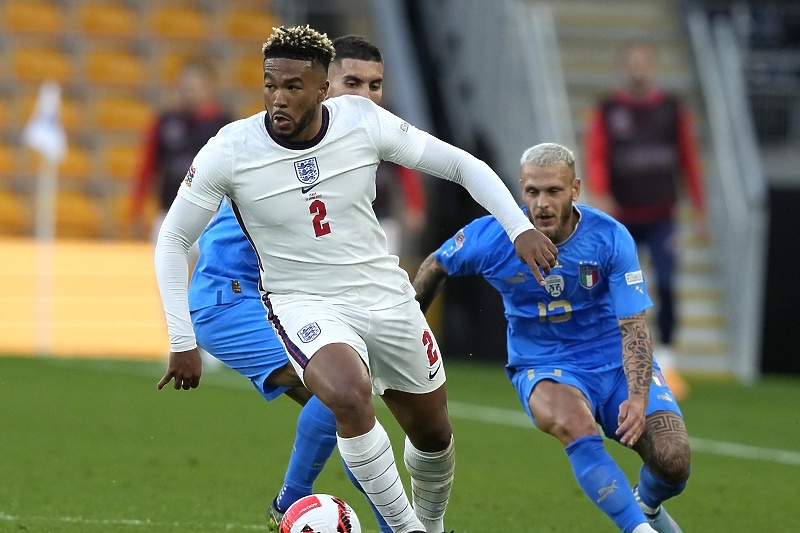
(432, 373)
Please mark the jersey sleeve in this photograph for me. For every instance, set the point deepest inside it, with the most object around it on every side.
(466, 252)
(208, 179)
(626, 281)
(397, 140)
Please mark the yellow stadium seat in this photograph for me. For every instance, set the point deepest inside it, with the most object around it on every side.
(121, 161)
(170, 65)
(33, 16)
(249, 24)
(9, 162)
(5, 114)
(15, 214)
(111, 19)
(77, 215)
(179, 23)
(115, 67)
(122, 114)
(77, 164)
(38, 64)
(248, 71)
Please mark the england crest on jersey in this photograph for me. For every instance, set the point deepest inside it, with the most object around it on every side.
(589, 275)
(307, 170)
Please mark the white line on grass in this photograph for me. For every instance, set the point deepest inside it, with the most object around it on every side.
(516, 418)
(125, 522)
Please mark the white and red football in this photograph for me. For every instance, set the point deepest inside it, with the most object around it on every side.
(320, 513)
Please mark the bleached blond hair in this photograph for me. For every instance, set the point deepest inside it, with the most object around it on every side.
(546, 154)
(299, 42)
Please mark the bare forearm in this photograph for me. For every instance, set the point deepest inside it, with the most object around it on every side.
(429, 281)
(637, 354)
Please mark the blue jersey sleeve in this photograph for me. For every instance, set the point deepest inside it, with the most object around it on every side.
(626, 281)
(466, 252)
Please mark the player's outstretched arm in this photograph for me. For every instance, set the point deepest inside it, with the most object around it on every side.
(637, 362)
(182, 226)
(428, 281)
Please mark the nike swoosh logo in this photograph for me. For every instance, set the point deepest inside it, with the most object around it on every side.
(433, 373)
(304, 190)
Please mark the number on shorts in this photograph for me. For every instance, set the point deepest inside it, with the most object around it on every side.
(427, 341)
(317, 208)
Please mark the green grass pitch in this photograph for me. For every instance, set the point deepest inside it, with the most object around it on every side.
(92, 447)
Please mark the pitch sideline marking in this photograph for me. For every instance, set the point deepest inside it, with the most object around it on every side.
(507, 417)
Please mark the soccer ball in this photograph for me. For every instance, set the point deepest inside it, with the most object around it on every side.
(320, 513)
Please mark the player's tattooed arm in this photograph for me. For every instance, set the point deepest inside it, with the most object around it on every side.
(429, 281)
(637, 354)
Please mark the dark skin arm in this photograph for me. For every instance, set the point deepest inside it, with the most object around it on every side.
(428, 281)
(637, 362)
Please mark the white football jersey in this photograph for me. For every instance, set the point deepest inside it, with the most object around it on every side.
(307, 207)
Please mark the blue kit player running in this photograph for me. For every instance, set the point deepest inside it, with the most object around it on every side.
(579, 349)
(229, 318)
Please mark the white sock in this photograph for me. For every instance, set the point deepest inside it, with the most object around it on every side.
(644, 528)
(431, 480)
(371, 460)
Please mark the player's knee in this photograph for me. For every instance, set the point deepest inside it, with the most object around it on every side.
(568, 427)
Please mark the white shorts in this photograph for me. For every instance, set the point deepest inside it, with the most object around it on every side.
(396, 344)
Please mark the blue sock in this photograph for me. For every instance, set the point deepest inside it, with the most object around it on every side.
(313, 445)
(653, 490)
(603, 482)
(384, 527)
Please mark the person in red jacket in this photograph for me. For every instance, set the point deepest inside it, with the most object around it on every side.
(174, 139)
(640, 149)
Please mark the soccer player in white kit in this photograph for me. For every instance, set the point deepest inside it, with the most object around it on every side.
(301, 180)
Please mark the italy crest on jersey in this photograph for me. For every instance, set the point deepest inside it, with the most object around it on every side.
(589, 275)
(307, 170)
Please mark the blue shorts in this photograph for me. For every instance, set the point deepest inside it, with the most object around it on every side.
(605, 388)
(239, 335)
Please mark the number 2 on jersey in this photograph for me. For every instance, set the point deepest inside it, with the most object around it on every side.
(317, 208)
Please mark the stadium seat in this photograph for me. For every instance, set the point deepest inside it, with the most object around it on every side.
(248, 71)
(171, 22)
(33, 16)
(9, 163)
(121, 161)
(115, 67)
(249, 24)
(170, 65)
(109, 19)
(38, 64)
(77, 164)
(122, 114)
(15, 214)
(77, 215)
(6, 113)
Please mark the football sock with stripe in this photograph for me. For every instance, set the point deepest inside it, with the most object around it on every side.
(653, 490)
(604, 483)
(431, 480)
(371, 460)
(384, 527)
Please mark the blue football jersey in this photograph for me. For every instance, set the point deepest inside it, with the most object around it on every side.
(573, 317)
(227, 269)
